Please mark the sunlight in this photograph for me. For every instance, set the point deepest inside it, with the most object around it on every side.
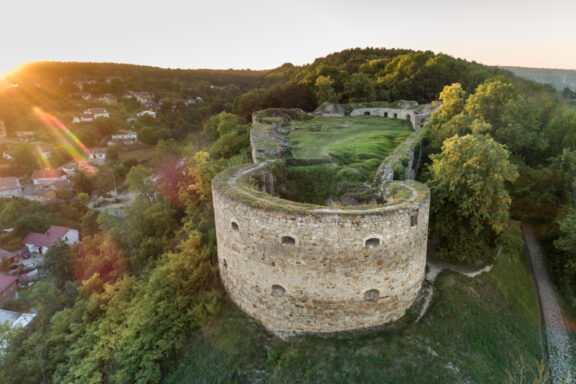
(6, 69)
(69, 141)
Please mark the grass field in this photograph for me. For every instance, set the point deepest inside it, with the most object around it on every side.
(476, 331)
(360, 142)
(140, 154)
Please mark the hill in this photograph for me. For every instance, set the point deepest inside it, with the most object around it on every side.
(558, 78)
(477, 330)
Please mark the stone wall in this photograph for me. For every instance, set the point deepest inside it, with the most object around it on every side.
(309, 269)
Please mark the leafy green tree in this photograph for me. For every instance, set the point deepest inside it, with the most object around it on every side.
(470, 203)
(360, 87)
(489, 101)
(567, 244)
(324, 90)
(58, 261)
(139, 180)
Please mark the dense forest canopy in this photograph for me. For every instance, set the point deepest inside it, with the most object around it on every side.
(120, 307)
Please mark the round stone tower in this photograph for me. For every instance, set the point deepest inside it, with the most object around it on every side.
(301, 268)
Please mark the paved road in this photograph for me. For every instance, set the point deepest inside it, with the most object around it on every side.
(560, 349)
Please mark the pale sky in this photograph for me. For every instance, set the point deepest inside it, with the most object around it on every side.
(264, 34)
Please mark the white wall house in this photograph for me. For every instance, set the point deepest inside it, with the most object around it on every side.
(47, 176)
(10, 187)
(39, 243)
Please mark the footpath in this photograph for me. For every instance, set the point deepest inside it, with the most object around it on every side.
(561, 356)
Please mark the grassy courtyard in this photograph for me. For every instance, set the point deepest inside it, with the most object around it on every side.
(359, 142)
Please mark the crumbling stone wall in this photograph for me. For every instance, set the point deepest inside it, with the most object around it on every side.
(311, 269)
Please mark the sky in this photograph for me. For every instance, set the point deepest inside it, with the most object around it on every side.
(264, 34)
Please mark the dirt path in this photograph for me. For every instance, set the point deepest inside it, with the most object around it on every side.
(560, 349)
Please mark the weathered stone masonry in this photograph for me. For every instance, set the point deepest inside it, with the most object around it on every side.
(310, 269)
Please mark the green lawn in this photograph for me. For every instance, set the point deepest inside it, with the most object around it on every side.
(361, 142)
(141, 154)
(477, 330)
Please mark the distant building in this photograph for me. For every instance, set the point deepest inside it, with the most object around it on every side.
(90, 115)
(39, 243)
(82, 95)
(15, 320)
(45, 151)
(147, 113)
(142, 97)
(8, 154)
(8, 288)
(38, 194)
(123, 137)
(97, 154)
(47, 176)
(25, 135)
(10, 187)
(107, 98)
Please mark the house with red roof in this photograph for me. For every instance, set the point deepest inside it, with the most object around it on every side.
(8, 288)
(10, 187)
(40, 242)
(47, 176)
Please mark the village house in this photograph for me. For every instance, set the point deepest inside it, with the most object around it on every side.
(38, 194)
(107, 98)
(38, 243)
(25, 136)
(97, 154)
(11, 257)
(81, 95)
(47, 176)
(14, 320)
(123, 137)
(10, 187)
(45, 151)
(8, 154)
(90, 115)
(142, 97)
(147, 113)
(8, 288)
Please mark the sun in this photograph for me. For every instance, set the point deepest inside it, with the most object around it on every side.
(6, 68)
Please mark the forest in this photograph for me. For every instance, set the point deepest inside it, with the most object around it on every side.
(122, 306)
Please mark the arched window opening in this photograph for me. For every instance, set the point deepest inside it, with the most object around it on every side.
(371, 294)
(372, 242)
(408, 118)
(277, 289)
(235, 226)
(367, 113)
(288, 240)
(395, 115)
(385, 114)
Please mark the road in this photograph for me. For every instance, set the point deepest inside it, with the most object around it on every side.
(560, 349)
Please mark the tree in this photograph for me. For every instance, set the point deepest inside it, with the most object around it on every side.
(57, 261)
(470, 203)
(139, 180)
(489, 101)
(567, 244)
(324, 90)
(360, 87)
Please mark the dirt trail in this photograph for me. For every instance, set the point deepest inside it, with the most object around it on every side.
(560, 349)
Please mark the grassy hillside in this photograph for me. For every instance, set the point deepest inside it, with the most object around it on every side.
(477, 330)
(558, 78)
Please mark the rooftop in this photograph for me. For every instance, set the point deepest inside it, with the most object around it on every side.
(52, 235)
(9, 183)
(47, 174)
(5, 281)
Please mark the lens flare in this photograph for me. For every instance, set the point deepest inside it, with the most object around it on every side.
(69, 141)
(42, 155)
